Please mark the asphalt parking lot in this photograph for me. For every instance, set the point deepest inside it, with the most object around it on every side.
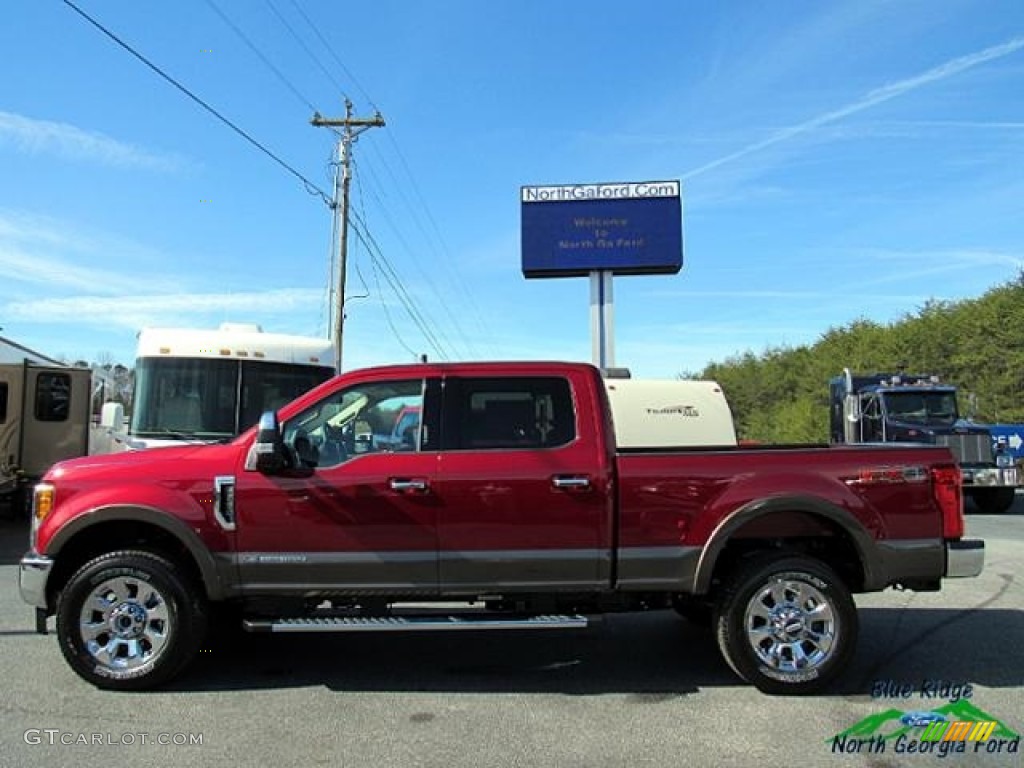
(635, 690)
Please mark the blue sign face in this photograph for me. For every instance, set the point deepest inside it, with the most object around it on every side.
(629, 229)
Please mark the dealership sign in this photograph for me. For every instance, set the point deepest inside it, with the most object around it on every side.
(633, 228)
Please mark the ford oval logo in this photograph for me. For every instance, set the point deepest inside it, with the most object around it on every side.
(922, 718)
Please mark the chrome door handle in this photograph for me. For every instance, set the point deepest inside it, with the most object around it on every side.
(571, 483)
(408, 485)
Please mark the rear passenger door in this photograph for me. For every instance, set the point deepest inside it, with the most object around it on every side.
(523, 505)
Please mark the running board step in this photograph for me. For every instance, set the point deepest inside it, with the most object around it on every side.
(411, 623)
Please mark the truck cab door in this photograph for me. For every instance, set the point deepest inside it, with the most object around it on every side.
(525, 502)
(351, 516)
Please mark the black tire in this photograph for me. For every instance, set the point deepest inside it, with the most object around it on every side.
(130, 620)
(993, 501)
(786, 624)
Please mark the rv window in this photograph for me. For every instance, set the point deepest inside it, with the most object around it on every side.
(3, 402)
(53, 396)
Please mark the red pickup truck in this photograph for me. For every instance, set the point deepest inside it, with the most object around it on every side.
(513, 503)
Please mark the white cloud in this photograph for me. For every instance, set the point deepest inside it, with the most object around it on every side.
(29, 248)
(19, 266)
(871, 99)
(68, 141)
(138, 310)
(941, 262)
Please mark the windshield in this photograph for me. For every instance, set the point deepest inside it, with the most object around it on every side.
(922, 407)
(211, 399)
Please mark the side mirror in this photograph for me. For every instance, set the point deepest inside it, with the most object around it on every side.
(268, 453)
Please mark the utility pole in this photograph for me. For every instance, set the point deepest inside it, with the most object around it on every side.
(350, 127)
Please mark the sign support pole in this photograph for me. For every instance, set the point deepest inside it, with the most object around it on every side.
(602, 319)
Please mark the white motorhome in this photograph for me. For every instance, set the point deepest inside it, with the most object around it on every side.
(44, 416)
(654, 413)
(201, 384)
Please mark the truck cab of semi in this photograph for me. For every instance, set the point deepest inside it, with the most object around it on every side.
(920, 408)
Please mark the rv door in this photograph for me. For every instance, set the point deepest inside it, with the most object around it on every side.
(11, 382)
(55, 413)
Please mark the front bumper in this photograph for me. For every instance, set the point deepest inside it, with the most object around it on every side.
(990, 477)
(32, 576)
(965, 558)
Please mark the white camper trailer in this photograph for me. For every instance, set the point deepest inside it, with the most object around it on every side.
(652, 413)
(44, 417)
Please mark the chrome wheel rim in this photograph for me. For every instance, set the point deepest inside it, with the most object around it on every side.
(125, 623)
(791, 626)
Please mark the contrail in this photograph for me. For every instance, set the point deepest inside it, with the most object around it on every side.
(877, 96)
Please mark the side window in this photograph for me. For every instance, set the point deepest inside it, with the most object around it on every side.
(367, 418)
(3, 402)
(525, 413)
(53, 396)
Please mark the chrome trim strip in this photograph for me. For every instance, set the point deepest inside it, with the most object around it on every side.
(412, 624)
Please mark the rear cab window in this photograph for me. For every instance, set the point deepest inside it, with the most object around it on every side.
(527, 413)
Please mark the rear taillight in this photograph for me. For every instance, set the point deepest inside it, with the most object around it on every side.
(947, 489)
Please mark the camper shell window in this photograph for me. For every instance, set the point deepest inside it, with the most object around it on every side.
(3, 402)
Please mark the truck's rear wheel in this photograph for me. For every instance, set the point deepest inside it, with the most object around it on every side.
(992, 501)
(129, 620)
(786, 624)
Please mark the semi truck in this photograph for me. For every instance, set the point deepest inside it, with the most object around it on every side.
(513, 507)
(916, 408)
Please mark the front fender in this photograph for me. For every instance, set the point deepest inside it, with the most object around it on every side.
(195, 532)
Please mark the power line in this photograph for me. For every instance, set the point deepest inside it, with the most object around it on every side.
(426, 278)
(446, 254)
(312, 188)
(387, 314)
(252, 46)
(443, 252)
(305, 47)
(395, 281)
(334, 56)
(469, 300)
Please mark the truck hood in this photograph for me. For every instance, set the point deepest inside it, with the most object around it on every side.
(152, 464)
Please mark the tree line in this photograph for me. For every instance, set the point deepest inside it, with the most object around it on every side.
(781, 395)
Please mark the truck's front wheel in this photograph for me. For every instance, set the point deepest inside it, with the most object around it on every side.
(129, 620)
(786, 624)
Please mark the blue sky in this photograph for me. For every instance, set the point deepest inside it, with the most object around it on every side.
(839, 160)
